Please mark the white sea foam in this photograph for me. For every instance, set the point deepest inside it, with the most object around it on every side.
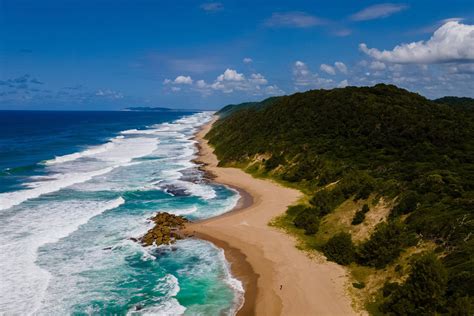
(208, 265)
(87, 152)
(171, 307)
(140, 131)
(201, 190)
(23, 283)
(56, 183)
(233, 283)
(169, 287)
(185, 211)
(26, 288)
(65, 174)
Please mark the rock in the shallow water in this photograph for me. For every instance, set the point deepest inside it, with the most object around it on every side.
(166, 230)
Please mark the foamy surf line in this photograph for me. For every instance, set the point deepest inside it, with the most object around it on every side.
(86, 264)
(118, 152)
(170, 305)
(74, 156)
(235, 284)
(24, 283)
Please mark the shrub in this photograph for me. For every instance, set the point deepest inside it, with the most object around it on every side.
(423, 291)
(322, 202)
(461, 306)
(360, 215)
(308, 220)
(358, 218)
(358, 183)
(408, 203)
(358, 285)
(295, 209)
(273, 162)
(365, 208)
(384, 245)
(340, 249)
(389, 287)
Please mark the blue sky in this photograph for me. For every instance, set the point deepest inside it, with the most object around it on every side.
(102, 55)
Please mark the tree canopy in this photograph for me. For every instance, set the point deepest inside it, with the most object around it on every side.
(370, 140)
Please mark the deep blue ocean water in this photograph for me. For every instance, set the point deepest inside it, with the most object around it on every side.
(75, 187)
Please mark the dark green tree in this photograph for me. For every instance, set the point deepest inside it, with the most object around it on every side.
(384, 246)
(423, 291)
(359, 216)
(340, 249)
(308, 220)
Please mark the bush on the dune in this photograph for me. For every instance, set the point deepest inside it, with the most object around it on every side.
(384, 246)
(407, 204)
(308, 220)
(340, 249)
(423, 291)
(360, 215)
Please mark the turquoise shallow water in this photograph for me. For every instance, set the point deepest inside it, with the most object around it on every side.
(65, 236)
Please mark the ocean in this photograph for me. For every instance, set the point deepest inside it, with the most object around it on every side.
(75, 187)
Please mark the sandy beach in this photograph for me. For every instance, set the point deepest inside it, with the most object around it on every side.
(278, 278)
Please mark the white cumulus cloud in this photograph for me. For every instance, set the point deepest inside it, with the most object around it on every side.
(328, 69)
(304, 78)
(331, 70)
(231, 75)
(247, 60)
(228, 82)
(179, 80)
(452, 42)
(341, 67)
(343, 84)
(183, 80)
(377, 65)
(258, 79)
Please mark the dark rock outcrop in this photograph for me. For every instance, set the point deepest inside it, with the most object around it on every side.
(166, 230)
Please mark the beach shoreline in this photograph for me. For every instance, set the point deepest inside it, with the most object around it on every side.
(278, 278)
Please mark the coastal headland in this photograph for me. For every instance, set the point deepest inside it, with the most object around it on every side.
(278, 278)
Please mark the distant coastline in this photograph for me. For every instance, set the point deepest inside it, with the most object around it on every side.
(156, 109)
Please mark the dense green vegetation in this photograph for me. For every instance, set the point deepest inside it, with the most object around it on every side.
(385, 244)
(423, 291)
(352, 142)
(231, 108)
(457, 102)
(340, 249)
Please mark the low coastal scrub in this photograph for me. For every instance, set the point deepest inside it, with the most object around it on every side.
(360, 215)
(307, 219)
(359, 145)
(384, 245)
(423, 291)
(340, 249)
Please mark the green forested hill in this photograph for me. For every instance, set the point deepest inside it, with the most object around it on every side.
(231, 108)
(371, 143)
(462, 103)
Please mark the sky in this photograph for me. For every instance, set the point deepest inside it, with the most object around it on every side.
(109, 55)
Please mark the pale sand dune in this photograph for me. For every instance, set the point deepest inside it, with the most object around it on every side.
(266, 256)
